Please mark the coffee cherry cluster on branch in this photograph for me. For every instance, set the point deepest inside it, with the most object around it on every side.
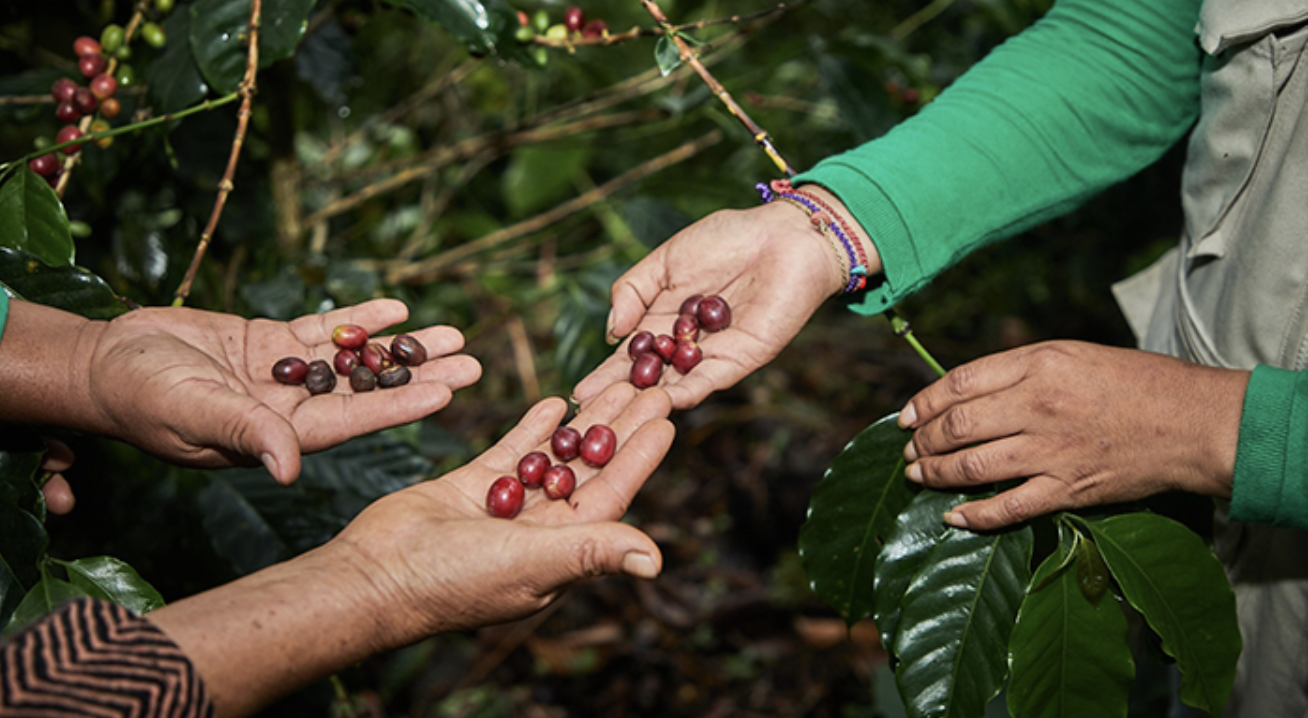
(557, 481)
(650, 354)
(366, 365)
(575, 25)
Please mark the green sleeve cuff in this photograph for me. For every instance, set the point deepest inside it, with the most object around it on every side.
(1271, 469)
(4, 310)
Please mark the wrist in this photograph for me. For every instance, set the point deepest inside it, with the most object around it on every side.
(853, 229)
(855, 253)
(47, 355)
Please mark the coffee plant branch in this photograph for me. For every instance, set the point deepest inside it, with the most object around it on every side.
(428, 269)
(918, 19)
(246, 91)
(613, 38)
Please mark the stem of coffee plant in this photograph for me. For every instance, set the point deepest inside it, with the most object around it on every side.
(613, 38)
(898, 324)
(225, 186)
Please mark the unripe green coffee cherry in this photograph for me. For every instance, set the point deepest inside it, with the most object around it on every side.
(111, 38)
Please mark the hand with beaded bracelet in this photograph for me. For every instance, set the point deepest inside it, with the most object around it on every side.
(774, 264)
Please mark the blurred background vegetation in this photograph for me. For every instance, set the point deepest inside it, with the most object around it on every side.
(503, 196)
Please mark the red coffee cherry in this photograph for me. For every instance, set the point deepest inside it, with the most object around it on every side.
(574, 18)
(349, 336)
(345, 361)
(45, 165)
(686, 328)
(691, 304)
(67, 112)
(320, 379)
(664, 345)
(686, 357)
(110, 107)
(376, 357)
(714, 313)
(408, 351)
(559, 481)
(531, 469)
(641, 343)
(393, 376)
(84, 100)
(103, 86)
(646, 370)
(361, 378)
(91, 65)
(66, 134)
(291, 370)
(598, 445)
(504, 500)
(86, 45)
(62, 90)
(566, 443)
(594, 29)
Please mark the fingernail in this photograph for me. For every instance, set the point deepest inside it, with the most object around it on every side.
(270, 464)
(608, 330)
(955, 519)
(910, 452)
(640, 565)
(914, 473)
(908, 416)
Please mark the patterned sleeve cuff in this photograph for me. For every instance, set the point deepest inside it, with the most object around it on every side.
(92, 657)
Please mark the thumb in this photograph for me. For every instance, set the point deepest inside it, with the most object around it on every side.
(571, 553)
(243, 426)
(632, 295)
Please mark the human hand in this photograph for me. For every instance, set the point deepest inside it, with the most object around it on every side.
(1083, 424)
(196, 387)
(59, 499)
(429, 559)
(770, 265)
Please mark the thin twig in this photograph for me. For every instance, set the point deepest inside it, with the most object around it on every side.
(428, 269)
(225, 186)
(918, 19)
(636, 32)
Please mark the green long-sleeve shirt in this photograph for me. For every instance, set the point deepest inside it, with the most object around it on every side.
(1089, 95)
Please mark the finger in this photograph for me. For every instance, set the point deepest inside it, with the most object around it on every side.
(233, 423)
(1035, 497)
(374, 316)
(967, 423)
(326, 420)
(455, 372)
(633, 295)
(527, 436)
(969, 381)
(439, 341)
(58, 457)
(566, 554)
(614, 370)
(59, 499)
(977, 465)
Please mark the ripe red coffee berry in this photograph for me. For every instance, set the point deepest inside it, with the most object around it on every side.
(67, 133)
(664, 345)
(393, 376)
(91, 65)
(686, 357)
(714, 313)
(86, 45)
(686, 328)
(504, 500)
(531, 469)
(62, 90)
(691, 304)
(376, 357)
(291, 370)
(110, 107)
(594, 29)
(320, 379)
(407, 350)
(345, 361)
(103, 86)
(641, 343)
(84, 100)
(67, 112)
(559, 481)
(45, 165)
(573, 18)
(598, 445)
(361, 378)
(349, 336)
(566, 443)
(646, 370)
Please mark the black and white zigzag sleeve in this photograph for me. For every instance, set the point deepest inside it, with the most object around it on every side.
(93, 658)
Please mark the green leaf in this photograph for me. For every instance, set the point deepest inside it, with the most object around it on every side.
(69, 288)
(219, 36)
(956, 620)
(44, 597)
(667, 55)
(852, 511)
(539, 175)
(113, 580)
(32, 219)
(1070, 658)
(174, 78)
(23, 543)
(907, 551)
(479, 25)
(1178, 585)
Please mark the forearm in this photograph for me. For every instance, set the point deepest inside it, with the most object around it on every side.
(276, 630)
(45, 358)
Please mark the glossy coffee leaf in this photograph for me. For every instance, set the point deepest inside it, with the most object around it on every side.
(66, 287)
(956, 619)
(43, 598)
(907, 552)
(113, 580)
(174, 80)
(219, 36)
(1173, 579)
(23, 543)
(852, 511)
(32, 219)
(667, 55)
(471, 21)
(1069, 656)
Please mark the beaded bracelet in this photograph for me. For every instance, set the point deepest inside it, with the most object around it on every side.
(820, 224)
(862, 256)
(822, 218)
